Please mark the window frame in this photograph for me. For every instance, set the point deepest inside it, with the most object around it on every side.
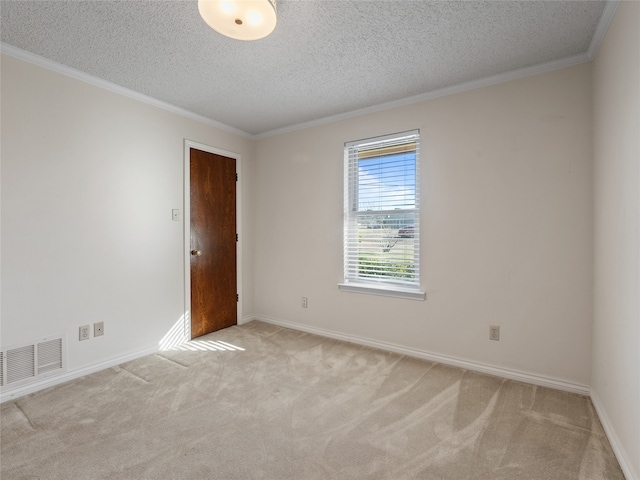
(377, 283)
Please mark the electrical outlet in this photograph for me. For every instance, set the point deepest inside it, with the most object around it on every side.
(84, 332)
(98, 329)
(304, 302)
(494, 332)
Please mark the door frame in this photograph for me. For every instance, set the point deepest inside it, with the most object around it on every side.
(186, 218)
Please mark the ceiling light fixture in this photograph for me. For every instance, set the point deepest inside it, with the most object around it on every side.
(240, 19)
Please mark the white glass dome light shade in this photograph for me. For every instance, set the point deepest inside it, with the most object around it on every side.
(240, 19)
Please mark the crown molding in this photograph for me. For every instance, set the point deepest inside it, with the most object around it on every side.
(112, 87)
(601, 29)
(603, 25)
(599, 34)
(440, 92)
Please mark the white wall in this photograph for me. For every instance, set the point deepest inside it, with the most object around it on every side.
(89, 179)
(616, 326)
(506, 222)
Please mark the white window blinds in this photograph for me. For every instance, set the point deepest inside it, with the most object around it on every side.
(382, 211)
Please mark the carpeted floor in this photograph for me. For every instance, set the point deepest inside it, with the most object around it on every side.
(279, 404)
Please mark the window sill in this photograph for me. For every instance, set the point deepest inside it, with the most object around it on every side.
(385, 291)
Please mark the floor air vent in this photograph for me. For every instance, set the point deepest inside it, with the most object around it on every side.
(27, 363)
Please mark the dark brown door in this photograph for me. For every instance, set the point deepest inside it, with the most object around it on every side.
(213, 242)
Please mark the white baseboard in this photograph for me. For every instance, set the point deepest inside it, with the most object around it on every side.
(73, 374)
(625, 465)
(436, 357)
(623, 459)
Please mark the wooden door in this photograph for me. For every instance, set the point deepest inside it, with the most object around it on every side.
(213, 242)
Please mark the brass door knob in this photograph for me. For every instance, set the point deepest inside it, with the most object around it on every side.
(196, 253)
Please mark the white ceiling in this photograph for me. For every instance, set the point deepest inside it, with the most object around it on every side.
(326, 57)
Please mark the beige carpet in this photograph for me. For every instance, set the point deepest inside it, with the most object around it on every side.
(292, 405)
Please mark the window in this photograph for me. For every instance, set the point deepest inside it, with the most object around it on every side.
(382, 216)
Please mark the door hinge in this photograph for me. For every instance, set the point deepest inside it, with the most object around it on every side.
(236, 237)
(236, 177)
(237, 297)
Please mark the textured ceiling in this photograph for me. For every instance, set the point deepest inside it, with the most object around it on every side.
(325, 58)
